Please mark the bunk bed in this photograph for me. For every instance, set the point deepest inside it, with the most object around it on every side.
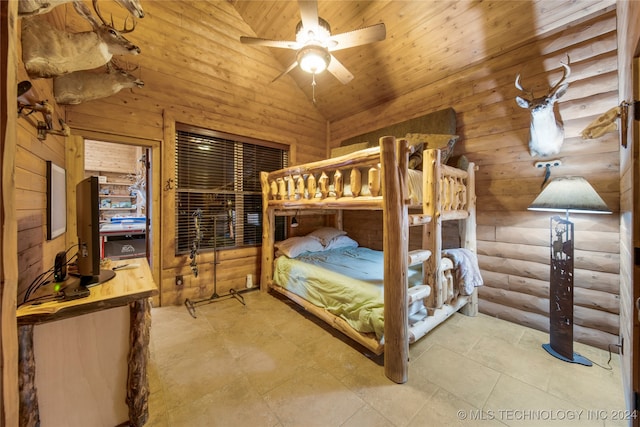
(378, 178)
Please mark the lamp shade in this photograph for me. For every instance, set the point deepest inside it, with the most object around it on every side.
(569, 194)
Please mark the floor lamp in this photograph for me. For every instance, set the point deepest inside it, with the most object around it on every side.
(565, 194)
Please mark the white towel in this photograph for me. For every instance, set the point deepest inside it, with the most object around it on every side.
(465, 262)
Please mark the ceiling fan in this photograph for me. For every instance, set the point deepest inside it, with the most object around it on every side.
(315, 43)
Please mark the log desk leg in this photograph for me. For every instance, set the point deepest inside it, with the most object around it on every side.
(137, 380)
(29, 414)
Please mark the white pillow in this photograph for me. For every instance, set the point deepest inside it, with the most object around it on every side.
(294, 246)
(341, 242)
(325, 234)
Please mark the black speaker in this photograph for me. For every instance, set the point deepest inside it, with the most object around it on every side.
(60, 267)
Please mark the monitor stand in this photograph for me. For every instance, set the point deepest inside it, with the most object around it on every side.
(78, 287)
(104, 276)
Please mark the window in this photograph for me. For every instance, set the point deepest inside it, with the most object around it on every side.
(218, 187)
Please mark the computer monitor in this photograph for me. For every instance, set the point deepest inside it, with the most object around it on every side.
(88, 224)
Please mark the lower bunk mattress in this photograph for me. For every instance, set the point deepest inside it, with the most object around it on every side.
(347, 282)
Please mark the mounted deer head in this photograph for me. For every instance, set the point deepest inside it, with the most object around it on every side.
(48, 51)
(81, 86)
(546, 133)
(37, 7)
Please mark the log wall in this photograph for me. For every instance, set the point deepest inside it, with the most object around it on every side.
(628, 42)
(513, 242)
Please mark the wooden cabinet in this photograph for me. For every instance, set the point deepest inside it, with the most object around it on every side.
(91, 354)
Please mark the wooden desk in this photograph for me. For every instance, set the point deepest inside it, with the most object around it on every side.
(131, 287)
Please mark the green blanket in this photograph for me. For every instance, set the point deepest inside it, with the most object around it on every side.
(347, 282)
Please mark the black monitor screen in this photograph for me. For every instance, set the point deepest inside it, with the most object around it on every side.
(88, 218)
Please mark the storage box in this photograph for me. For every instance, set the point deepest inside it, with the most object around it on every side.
(121, 247)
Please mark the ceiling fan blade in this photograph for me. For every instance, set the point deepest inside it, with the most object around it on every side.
(336, 68)
(309, 14)
(291, 67)
(284, 44)
(373, 33)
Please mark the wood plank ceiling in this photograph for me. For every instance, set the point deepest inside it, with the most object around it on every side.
(426, 41)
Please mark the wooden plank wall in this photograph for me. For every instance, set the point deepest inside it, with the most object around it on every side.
(35, 253)
(512, 242)
(9, 412)
(108, 157)
(200, 74)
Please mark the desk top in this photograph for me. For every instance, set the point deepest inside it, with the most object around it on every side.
(127, 286)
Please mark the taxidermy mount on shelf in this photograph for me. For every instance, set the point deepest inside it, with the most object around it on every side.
(49, 52)
(87, 85)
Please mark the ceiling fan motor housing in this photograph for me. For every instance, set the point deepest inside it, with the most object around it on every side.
(320, 34)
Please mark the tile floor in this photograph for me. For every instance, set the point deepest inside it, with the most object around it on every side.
(270, 364)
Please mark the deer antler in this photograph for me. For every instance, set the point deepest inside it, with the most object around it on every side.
(519, 86)
(97, 9)
(112, 25)
(565, 74)
(125, 30)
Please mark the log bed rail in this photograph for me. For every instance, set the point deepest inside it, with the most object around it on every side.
(325, 184)
(336, 184)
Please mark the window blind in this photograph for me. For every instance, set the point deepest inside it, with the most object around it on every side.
(218, 183)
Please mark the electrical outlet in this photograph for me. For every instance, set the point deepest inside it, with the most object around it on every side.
(549, 163)
(179, 280)
(621, 345)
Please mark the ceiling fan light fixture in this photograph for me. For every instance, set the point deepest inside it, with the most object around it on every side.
(315, 44)
(313, 59)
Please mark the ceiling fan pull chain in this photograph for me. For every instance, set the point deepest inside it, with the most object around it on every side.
(313, 87)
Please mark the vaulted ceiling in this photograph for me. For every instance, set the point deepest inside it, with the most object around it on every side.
(426, 41)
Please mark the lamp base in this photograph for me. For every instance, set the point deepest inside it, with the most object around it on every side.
(576, 357)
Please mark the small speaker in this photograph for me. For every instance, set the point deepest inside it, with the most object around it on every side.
(60, 267)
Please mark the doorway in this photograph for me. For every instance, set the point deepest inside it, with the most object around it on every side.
(123, 181)
(74, 160)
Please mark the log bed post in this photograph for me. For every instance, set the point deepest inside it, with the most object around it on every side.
(395, 245)
(468, 235)
(468, 228)
(268, 234)
(432, 234)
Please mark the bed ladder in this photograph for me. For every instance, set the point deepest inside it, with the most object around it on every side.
(431, 224)
(418, 256)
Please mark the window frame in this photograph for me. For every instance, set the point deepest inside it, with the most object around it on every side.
(238, 193)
